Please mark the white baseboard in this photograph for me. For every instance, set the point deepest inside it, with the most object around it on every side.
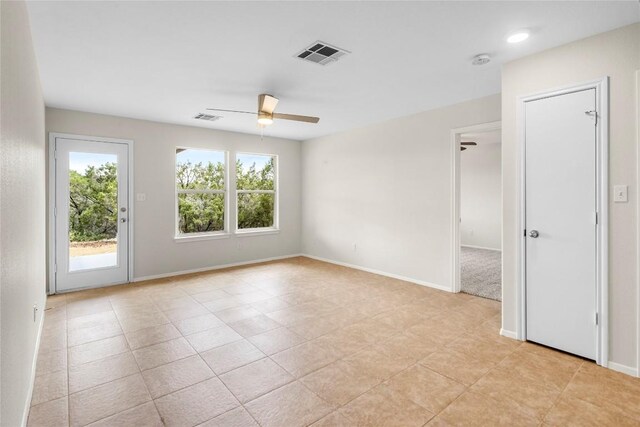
(623, 368)
(34, 364)
(215, 267)
(508, 334)
(381, 273)
(481, 247)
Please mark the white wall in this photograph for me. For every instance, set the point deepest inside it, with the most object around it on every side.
(156, 252)
(22, 211)
(380, 197)
(481, 196)
(615, 54)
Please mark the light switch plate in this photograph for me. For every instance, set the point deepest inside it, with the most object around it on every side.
(620, 193)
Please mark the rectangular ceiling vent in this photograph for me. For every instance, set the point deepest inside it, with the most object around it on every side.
(322, 53)
(207, 117)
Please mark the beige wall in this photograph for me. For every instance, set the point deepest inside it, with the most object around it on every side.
(155, 250)
(22, 211)
(615, 54)
(481, 196)
(380, 197)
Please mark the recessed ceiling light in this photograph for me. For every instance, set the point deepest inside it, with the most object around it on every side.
(518, 37)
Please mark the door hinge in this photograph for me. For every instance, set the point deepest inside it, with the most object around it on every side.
(55, 268)
(596, 318)
(595, 214)
(525, 233)
(55, 211)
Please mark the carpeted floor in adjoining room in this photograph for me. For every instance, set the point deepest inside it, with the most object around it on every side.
(481, 272)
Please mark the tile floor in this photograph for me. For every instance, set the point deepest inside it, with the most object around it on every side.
(300, 342)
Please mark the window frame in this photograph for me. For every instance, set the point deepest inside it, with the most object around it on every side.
(220, 234)
(276, 196)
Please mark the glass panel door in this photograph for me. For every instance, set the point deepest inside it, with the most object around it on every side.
(91, 213)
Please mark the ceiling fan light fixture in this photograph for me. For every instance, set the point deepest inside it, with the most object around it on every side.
(265, 119)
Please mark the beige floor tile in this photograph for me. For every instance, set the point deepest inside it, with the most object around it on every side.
(607, 389)
(254, 325)
(425, 387)
(334, 419)
(235, 314)
(222, 304)
(198, 324)
(212, 338)
(231, 356)
(570, 411)
(304, 359)
(153, 335)
(48, 387)
(97, 350)
(196, 404)
(210, 295)
(269, 305)
(141, 320)
(473, 409)
(87, 375)
(339, 382)
(53, 339)
(314, 328)
(86, 307)
(108, 399)
(462, 367)
(276, 340)
(378, 364)
(51, 361)
(91, 320)
(144, 415)
(178, 314)
(176, 375)
(255, 379)
(384, 407)
(238, 417)
(104, 330)
(291, 405)
(162, 353)
(54, 413)
(401, 318)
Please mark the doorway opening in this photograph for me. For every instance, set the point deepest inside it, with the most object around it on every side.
(477, 210)
(90, 222)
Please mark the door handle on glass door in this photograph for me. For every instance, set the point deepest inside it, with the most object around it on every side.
(534, 234)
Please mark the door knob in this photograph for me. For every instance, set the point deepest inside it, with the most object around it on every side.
(534, 234)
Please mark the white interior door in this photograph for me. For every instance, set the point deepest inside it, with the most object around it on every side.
(91, 214)
(561, 203)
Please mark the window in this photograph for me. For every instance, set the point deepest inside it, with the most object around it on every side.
(200, 191)
(256, 187)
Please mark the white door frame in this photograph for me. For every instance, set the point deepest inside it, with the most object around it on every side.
(601, 87)
(52, 285)
(638, 219)
(455, 194)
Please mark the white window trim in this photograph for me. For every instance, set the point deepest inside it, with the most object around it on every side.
(191, 237)
(275, 229)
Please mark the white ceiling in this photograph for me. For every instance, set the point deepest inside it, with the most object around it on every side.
(167, 61)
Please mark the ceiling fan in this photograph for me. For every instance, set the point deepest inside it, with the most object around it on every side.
(469, 143)
(266, 106)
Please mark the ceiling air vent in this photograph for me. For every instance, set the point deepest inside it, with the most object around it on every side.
(207, 117)
(322, 53)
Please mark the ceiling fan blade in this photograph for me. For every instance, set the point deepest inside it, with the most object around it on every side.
(297, 118)
(469, 143)
(463, 148)
(231, 111)
(267, 103)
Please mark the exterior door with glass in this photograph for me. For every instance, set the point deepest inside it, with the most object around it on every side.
(91, 213)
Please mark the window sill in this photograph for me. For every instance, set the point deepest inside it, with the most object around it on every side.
(257, 232)
(216, 236)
